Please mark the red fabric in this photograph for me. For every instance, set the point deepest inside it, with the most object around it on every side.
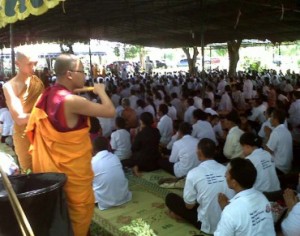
(52, 102)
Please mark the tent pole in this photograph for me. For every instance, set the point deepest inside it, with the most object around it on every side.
(91, 66)
(202, 35)
(11, 39)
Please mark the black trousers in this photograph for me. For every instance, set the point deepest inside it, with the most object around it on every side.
(166, 165)
(176, 204)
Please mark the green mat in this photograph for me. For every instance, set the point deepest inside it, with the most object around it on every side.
(147, 204)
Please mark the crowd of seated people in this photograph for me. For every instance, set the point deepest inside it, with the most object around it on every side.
(232, 138)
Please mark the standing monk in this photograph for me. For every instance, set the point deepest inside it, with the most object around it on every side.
(58, 130)
(21, 93)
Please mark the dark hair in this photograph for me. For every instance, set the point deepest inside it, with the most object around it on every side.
(297, 94)
(206, 102)
(120, 122)
(243, 172)
(185, 128)
(227, 88)
(190, 101)
(250, 139)
(100, 144)
(207, 147)
(141, 103)
(95, 125)
(163, 108)
(269, 111)
(280, 115)
(198, 114)
(233, 116)
(146, 118)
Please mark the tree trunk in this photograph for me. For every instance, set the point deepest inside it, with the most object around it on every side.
(233, 53)
(191, 60)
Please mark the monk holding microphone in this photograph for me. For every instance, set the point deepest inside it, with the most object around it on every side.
(58, 129)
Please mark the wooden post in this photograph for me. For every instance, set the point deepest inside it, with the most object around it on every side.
(11, 39)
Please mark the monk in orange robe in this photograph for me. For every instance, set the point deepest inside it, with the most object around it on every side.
(21, 93)
(58, 130)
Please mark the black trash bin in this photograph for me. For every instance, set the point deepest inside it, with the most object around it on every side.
(43, 201)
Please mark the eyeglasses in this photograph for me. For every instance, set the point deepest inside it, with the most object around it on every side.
(78, 71)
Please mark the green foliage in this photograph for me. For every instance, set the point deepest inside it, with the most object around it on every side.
(138, 227)
(221, 51)
(132, 51)
(117, 51)
(251, 64)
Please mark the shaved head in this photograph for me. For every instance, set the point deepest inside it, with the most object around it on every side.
(65, 62)
(23, 54)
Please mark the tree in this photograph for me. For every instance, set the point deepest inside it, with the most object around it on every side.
(233, 53)
(191, 60)
(221, 51)
(131, 51)
(66, 47)
(117, 51)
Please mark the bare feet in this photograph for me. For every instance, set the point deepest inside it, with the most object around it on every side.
(135, 171)
(173, 215)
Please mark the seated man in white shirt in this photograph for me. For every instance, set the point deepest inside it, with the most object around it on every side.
(120, 141)
(199, 205)
(110, 184)
(202, 128)
(280, 142)
(290, 225)
(232, 147)
(165, 125)
(266, 180)
(248, 213)
(188, 114)
(183, 156)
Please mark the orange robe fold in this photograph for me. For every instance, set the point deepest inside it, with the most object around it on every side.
(69, 153)
(28, 97)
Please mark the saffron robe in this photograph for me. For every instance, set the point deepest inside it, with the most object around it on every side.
(64, 152)
(28, 97)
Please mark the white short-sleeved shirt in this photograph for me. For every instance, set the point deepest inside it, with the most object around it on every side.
(294, 113)
(184, 155)
(176, 102)
(110, 184)
(149, 108)
(258, 114)
(8, 123)
(290, 225)
(247, 89)
(188, 115)
(203, 184)
(210, 111)
(247, 214)
(218, 130)
(225, 103)
(232, 147)
(203, 129)
(133, 99)
(121, 144)
(172, 112)
(115, 98)
(281, 143)
(266, 180)
(107, 125)
(198, 102)
(165, 127)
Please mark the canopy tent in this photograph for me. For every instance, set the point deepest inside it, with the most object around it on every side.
(162, 23)
(14, 10)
